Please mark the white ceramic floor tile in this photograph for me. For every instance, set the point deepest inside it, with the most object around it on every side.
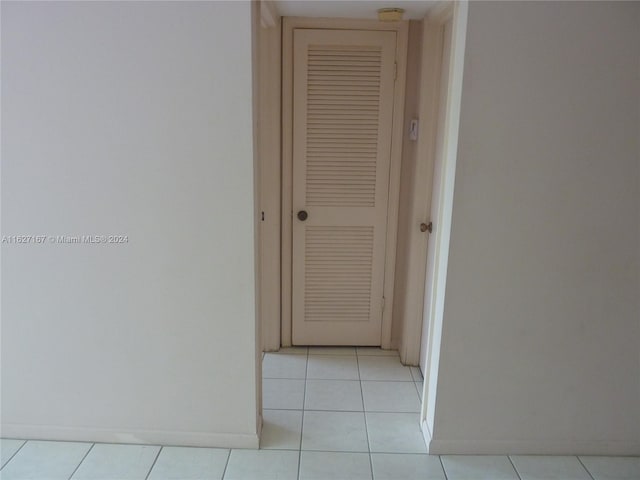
(124, 462)
(395, 433)
(531, 467)
(281, 429)
(416, 374)
(262, 465)
(390, 397)
(332, 367)
(184, 463)
(419, 389)
(278, 393)
(8, 448)
(383, 368)
(332, 351)
(45, 460)
(278, 365)
(613, 468)
(376, 351)
(334, 466)
(337, 395)
(334, 431)
(478, 467)
(399, 466)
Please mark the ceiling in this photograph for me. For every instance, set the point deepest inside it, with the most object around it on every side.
(367, 9)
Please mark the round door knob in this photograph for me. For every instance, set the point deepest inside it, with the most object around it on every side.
(302, 215)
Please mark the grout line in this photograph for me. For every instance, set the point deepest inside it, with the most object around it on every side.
(395, 355)
(78, 466)
(224, 472)
(340, 451)
(342, 380)
(154, 462)
(24, 442)
(284, 354)
(388, 381)
(282, 378)
(277, 409)
(585, 467)
(339, 379)
(316, 450)
(285, 409)
(304, 391)
(336, 355)
(418, 391)
(351, 411)
(446, 477)
(514, 467)
(304, 399)
(364, 415)
(138, 444)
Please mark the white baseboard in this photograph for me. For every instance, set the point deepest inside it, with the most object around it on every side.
(534, 447)
(147, 437)
(426, 433)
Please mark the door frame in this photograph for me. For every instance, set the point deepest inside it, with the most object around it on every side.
(288, 26)
(455, 15)
(268, 322)
(421, 185)
(267, 68)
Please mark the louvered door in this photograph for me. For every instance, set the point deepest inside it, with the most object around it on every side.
(343, 85)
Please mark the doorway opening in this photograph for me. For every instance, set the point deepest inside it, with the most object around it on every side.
(405, 269)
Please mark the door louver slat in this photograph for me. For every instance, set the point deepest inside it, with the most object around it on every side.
(336, 174)
(338, 264)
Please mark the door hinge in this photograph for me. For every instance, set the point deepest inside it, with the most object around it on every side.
(395, 70)
(382, 303)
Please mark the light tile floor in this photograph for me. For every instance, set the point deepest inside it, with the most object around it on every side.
(329, 414)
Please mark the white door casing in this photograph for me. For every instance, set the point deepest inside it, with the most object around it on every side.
(343, 96)
(430, 285)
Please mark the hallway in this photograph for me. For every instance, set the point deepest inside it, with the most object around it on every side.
(332, 399)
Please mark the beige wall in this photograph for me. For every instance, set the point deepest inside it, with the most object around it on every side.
(541, 329)
(134, 119)
(408, 168)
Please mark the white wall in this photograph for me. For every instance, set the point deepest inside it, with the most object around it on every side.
(129, 118)
(541, 331)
